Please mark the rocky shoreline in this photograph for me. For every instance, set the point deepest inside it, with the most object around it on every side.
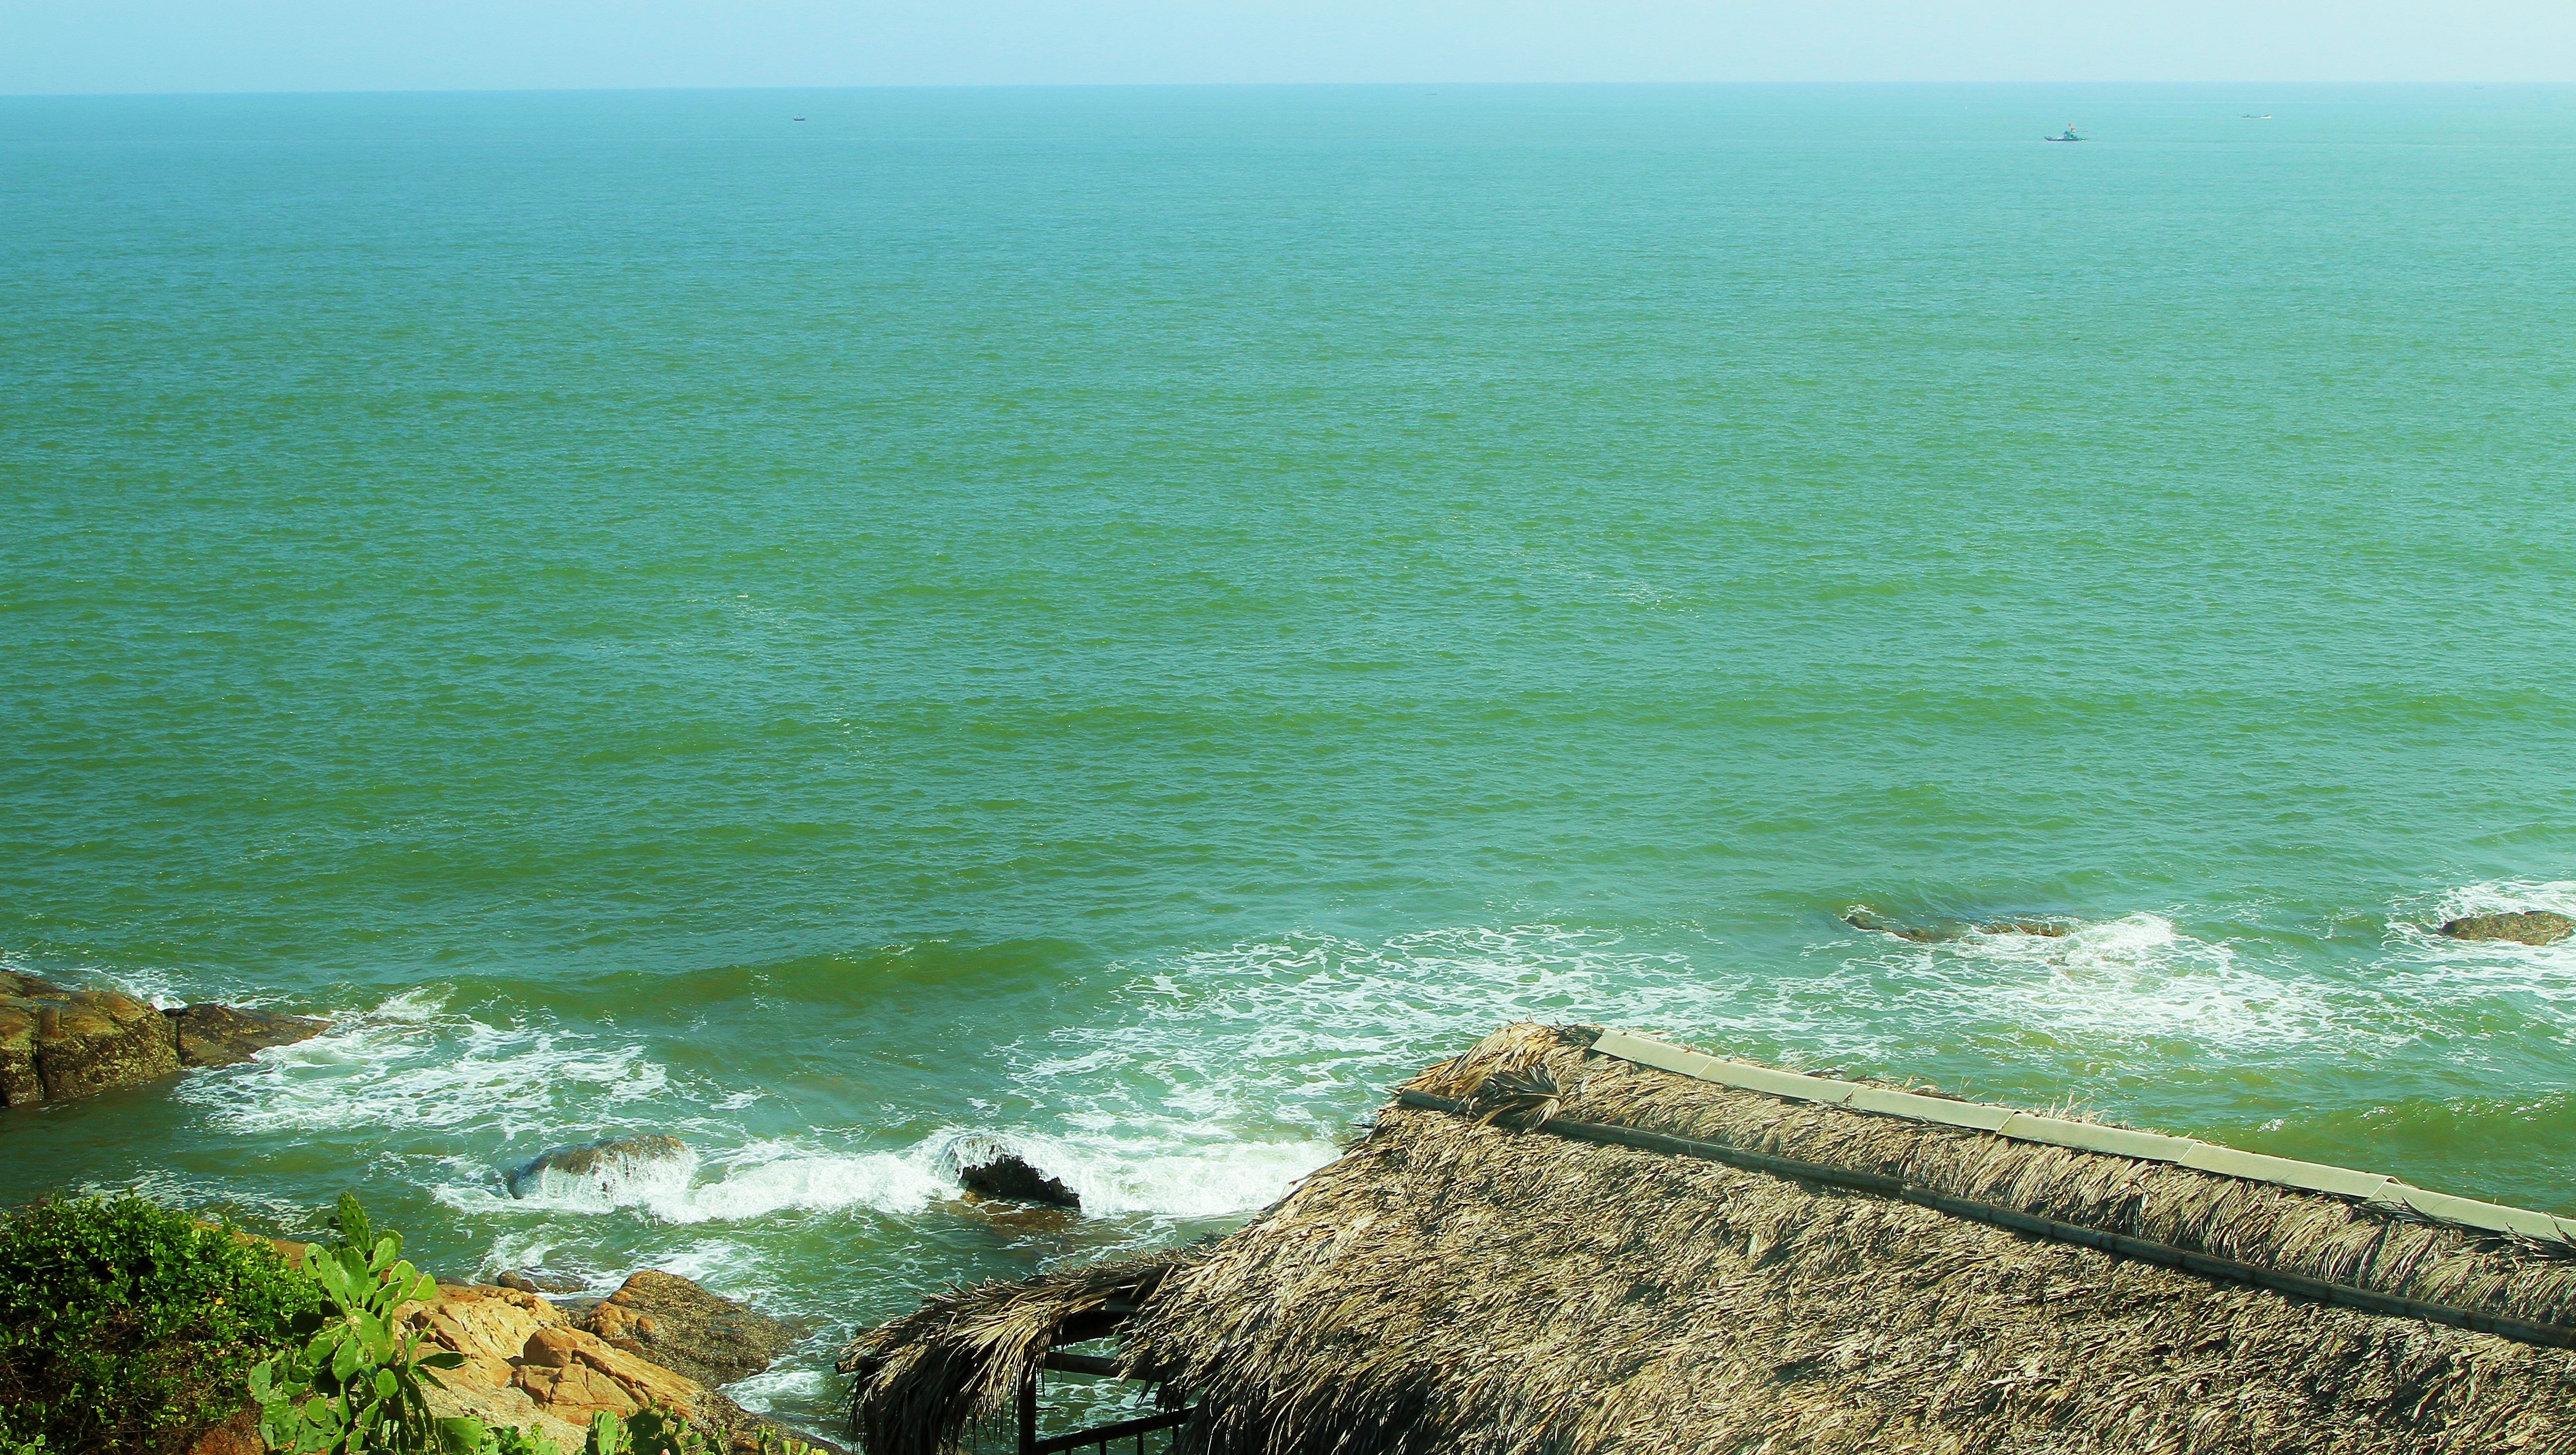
(57, 1043)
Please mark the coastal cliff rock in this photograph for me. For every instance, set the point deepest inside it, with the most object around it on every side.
(57, 1043)
(2524, 926)
(529, 1366)
(592, 1159)
(219, 1035)
(1011, 1179)
(682, 1327)
(1942, 931)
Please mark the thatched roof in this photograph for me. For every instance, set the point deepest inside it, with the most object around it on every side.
(1473, 1287)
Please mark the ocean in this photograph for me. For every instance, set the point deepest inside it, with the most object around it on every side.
(1124, 621)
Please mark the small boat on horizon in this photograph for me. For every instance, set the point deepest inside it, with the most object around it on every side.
(2066, 135)
(2250, 116)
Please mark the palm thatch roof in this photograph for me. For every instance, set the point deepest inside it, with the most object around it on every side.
(1491, 1271)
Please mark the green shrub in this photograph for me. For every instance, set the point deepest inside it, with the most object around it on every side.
(125, 1327)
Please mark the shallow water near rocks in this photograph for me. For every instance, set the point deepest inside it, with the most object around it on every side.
(1126, 621)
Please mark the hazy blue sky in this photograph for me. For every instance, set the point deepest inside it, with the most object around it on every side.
(334, 45)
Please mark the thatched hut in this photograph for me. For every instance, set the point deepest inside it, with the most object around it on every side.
(1568, 1240)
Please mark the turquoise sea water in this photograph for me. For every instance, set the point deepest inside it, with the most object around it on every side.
(1126, 620)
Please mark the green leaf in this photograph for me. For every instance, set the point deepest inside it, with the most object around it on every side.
(353, 1222)
(344, 1362)
(442, 1359)
(386, 1386)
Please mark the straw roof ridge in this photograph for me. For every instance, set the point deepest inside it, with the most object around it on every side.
(1463, 1284)
(2370, 1246)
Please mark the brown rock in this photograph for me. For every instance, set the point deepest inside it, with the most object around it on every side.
(56, 1043)
(20, 1083)
(574, 1374)
(527, 1367)
(97, 1039)
(2524, 926)
(683, 1327)
(219, 1035)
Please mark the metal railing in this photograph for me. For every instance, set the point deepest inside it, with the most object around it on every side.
(1098, 1437)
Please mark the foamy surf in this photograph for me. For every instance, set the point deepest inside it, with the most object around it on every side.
(1134, 1177)
(2132, 978)
(409, 1062)
(2444, 970)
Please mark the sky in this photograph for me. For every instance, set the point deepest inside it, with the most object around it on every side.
(58, 46)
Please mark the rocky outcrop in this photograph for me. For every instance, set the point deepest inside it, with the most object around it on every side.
(1942, 931)
(1011, 1179)
(219, 1035)
(592, 1159)
(529, 1366)
(2524, 926)
(57, 1043)
(682, 1327)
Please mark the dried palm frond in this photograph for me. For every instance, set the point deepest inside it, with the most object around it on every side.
(1521, 1098)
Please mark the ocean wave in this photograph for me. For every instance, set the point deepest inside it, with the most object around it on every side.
(1147, 1177)
(411, 1063)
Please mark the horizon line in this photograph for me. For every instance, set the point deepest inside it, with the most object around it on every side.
(1244, 86)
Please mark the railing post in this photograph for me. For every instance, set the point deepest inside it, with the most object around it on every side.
(1029, 1411)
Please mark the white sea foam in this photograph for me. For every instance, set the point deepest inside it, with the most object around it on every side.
(1156, 1172)
(411, 1063)
(1142, 1176)
(788, 1383)
(2136, 977)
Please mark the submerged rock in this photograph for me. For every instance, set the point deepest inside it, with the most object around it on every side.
(2523, 926)
(2046, 929)
(683, 1327)
(1943, 931)
(592, 1159)
(219, 1035)
(1014, 1180)
(1861, 919)
(537, 1281)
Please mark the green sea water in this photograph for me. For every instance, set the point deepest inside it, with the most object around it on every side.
(1125, 621)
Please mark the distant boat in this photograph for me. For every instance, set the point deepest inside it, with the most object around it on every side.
(2066, 135)
(800, 118)
(2250, 116)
